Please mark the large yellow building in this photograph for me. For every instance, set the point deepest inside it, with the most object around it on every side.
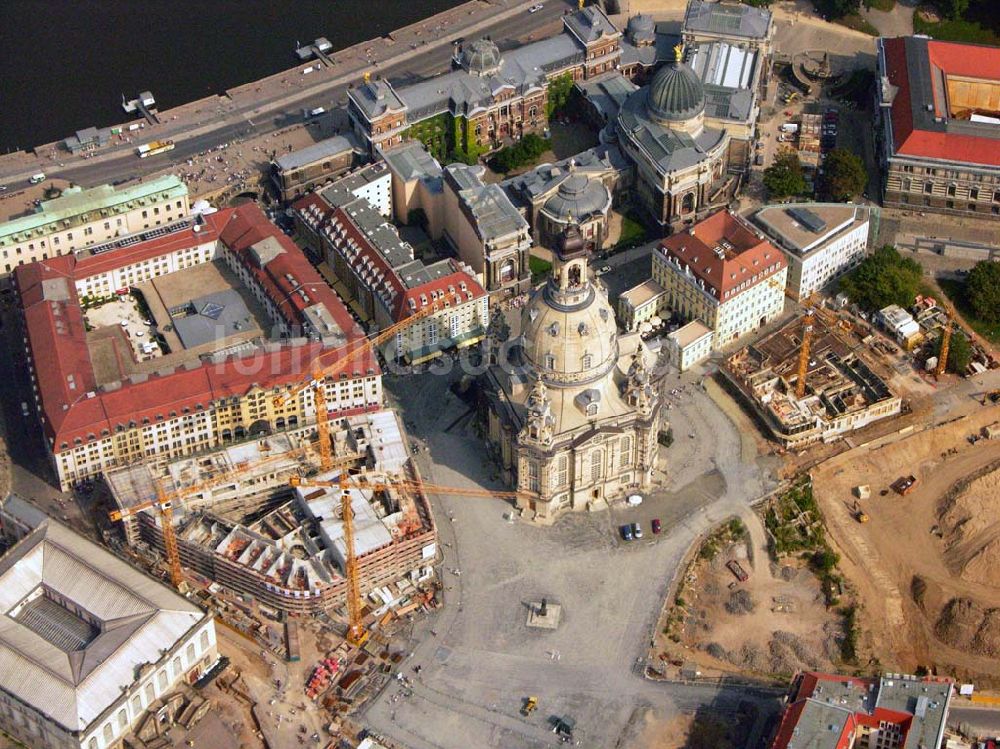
(100, 411)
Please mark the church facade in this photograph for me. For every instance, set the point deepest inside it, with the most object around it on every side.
(571, 412)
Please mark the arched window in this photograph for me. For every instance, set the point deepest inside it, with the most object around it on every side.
(591, 409)
(687, 204)
(587, 361)
(550, 361)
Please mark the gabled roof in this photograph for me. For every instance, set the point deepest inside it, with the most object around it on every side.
(138, 618)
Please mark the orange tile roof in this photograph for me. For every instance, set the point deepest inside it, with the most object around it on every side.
(724, 251)
(73, 406)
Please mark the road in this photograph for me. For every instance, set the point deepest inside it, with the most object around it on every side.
(262, 117)
(477, 658)
(31, 473)
(981, 721)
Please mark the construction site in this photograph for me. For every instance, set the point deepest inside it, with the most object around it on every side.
(240, 523)
(922, 553)
(808, 382)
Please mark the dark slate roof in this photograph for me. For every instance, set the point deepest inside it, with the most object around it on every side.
(578, 197)
(376, 97)
(463, 93)
(590, 24)
(667, 149)
(727, 19)
(675, 93)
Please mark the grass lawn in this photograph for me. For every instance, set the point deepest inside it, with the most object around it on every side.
(955, 291)
(539, 268)
(955, 31)
(885, 5)
(633, 233)
(858, 23)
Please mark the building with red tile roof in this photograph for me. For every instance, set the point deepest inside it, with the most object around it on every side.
(201, 401)
(380, 273)
(724, 272)
(939, 139)
(898, 711)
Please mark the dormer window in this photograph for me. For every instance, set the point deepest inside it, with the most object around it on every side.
(591, 409)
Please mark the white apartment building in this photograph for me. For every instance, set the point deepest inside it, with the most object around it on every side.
(821, 241)
(723, 272)
(89, 643)
(81, 218)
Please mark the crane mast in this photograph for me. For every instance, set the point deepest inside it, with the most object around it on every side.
(800, 381)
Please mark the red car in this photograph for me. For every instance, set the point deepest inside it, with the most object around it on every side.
(656, 525)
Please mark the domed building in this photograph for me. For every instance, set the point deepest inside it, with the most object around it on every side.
(572, 414)
(580, 202)
(482, 58)
(681, 163)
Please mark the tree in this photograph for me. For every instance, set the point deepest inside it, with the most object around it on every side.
(883, 278)
(837, 8)
(959, 352)
(982, 290)
(708, 733)
(954, 9)
(844, 175)
(784, 177)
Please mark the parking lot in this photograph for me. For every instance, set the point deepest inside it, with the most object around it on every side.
(478, 658)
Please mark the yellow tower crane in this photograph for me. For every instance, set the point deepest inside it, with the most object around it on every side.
(333, 362)
(807, 330)
(945, 343)
(356, 633)
(164, 501)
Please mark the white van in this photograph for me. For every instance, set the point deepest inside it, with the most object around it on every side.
(37, 179)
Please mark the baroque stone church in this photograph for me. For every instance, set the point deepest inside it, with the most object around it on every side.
(571, 411)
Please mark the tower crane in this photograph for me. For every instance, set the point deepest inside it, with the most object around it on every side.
(807, 329)
(356, 633)
(164, 501)
(945, 343)
(331, 363)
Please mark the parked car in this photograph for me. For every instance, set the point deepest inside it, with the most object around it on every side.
(626, 531)
(24, 409)
(656, 525)
(634, 500)
(636, 530)
(535, 8)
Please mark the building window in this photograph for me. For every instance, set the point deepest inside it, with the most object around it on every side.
(109, 733)
(204, 641)
(596, 465)
(122, 720)
(588, 361)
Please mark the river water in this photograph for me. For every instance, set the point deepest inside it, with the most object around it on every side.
(66, 63)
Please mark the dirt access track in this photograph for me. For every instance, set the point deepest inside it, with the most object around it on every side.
(904, 542)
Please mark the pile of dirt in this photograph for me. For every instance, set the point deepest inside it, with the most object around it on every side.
(786, 653)
(969, 519)
(982, 567)
(965, 625)
(740, 602)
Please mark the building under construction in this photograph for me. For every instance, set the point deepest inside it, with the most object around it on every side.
(841, 391)
(241, 524)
